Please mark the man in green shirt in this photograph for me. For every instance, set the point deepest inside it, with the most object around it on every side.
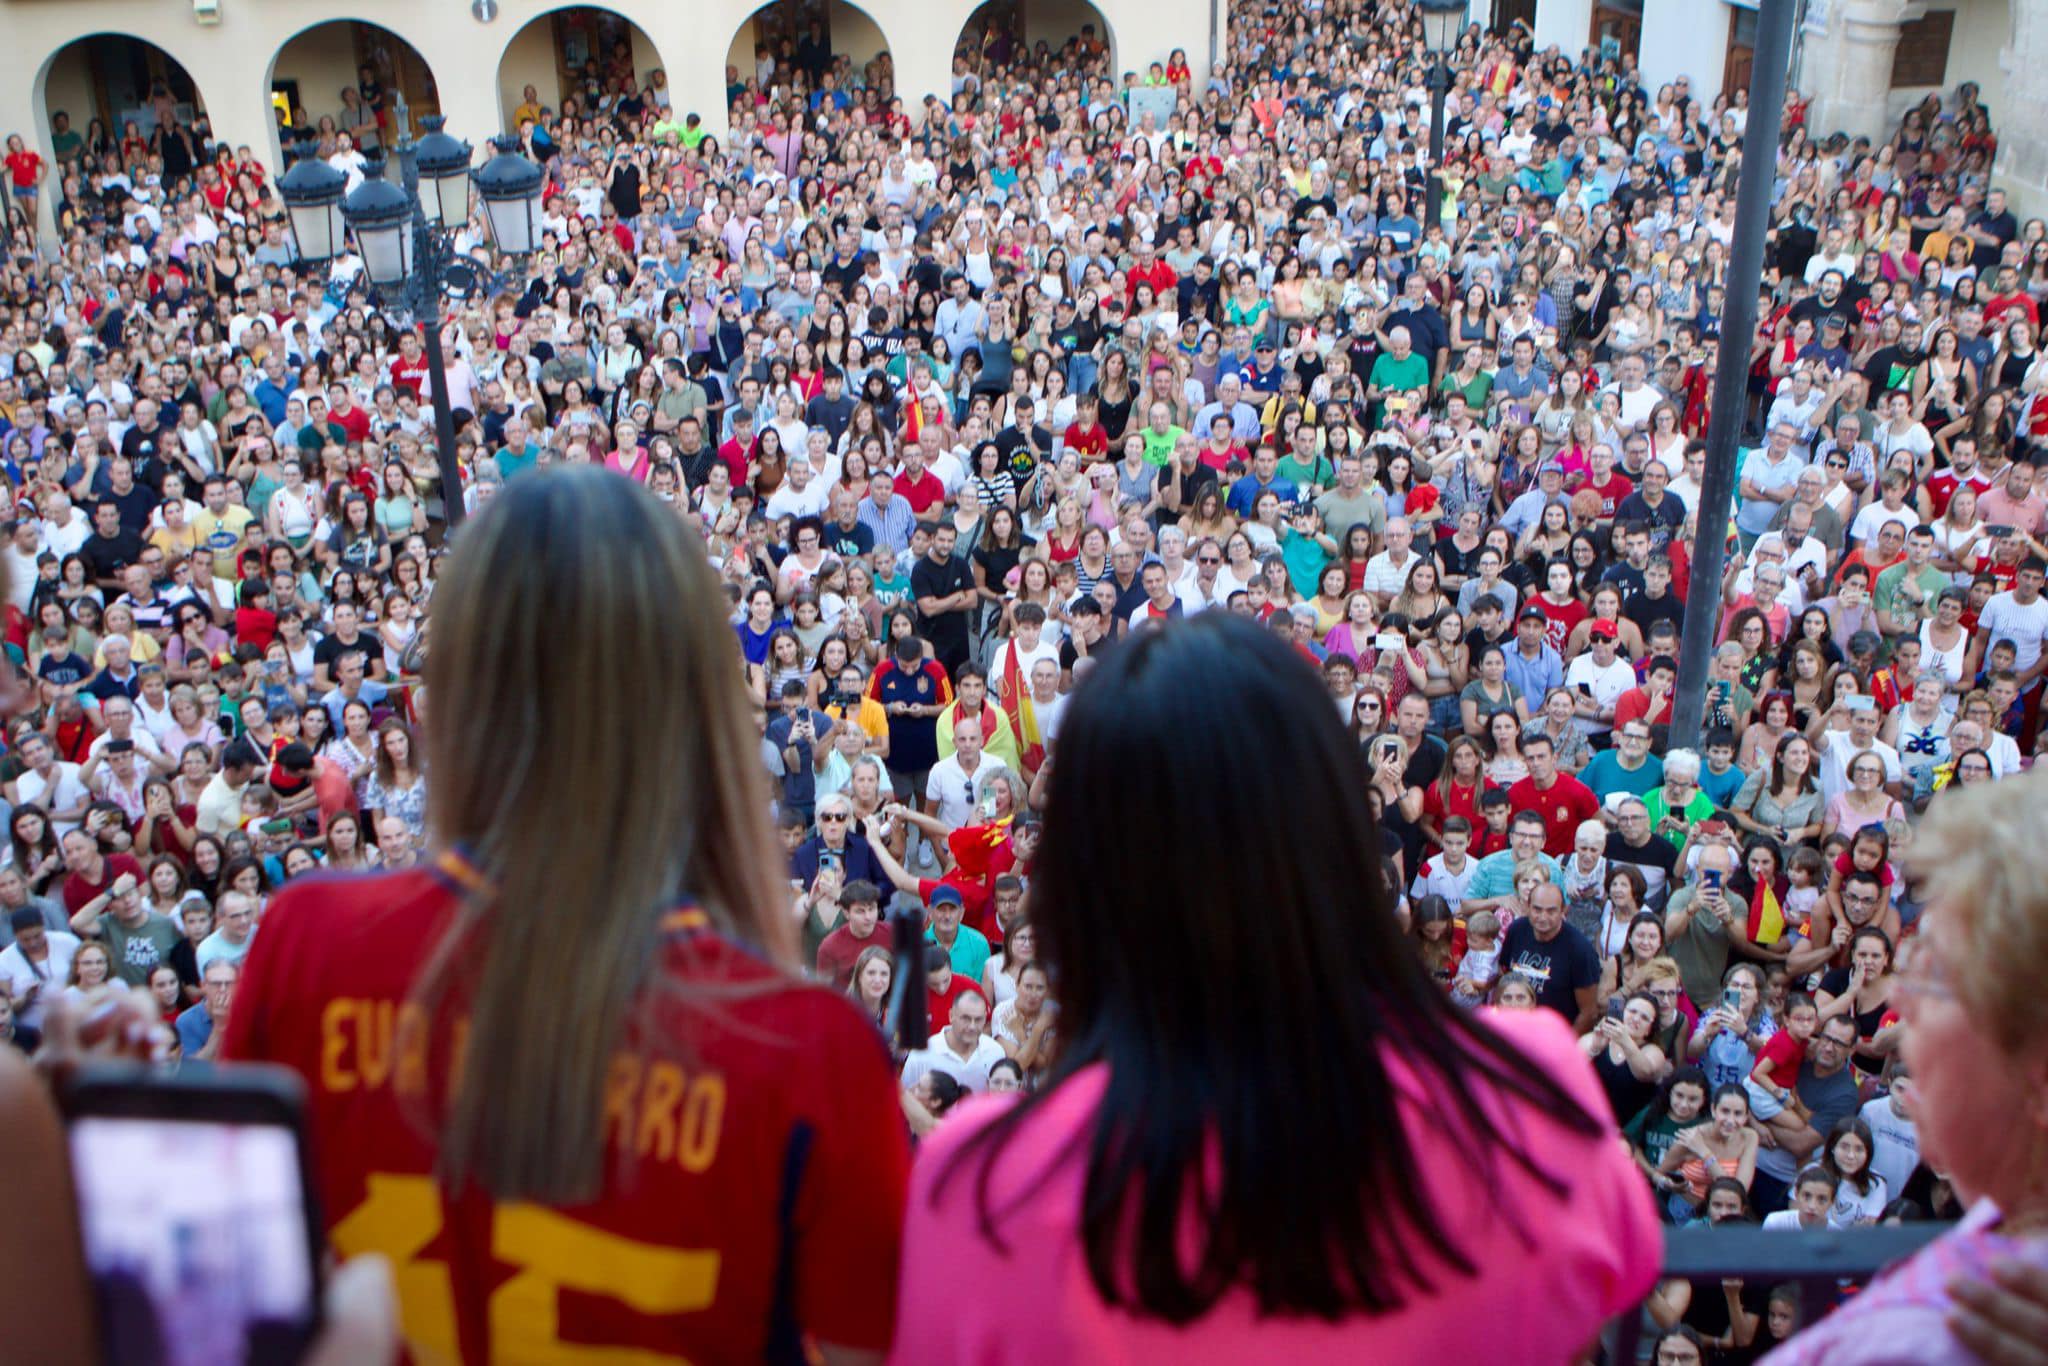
(1352, 501)
(67, 142)
(1906, 593)
(1399, 382)
(680, 397)
(319, 428)
(1161, 436)
(1303, 465)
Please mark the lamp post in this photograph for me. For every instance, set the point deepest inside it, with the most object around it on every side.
(1442, 22)
(406, 239)
(1753, 191)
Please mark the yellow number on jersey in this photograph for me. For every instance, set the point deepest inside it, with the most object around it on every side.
(404, 1213)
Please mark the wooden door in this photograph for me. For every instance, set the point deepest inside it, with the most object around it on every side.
(1506, 13)
(1617, 28)
(1736, 70)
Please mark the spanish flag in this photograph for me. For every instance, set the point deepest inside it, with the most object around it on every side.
(1766, 916)
(1023, 716)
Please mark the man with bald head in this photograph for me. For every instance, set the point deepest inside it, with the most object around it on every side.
(1399, 382)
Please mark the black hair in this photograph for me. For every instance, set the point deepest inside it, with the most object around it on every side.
(1660, 1103)
(1303, 1006)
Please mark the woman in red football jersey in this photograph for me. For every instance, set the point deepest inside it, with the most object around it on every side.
(561, 1074)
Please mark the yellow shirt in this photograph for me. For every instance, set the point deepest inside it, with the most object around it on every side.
(868, 715)
(180, 542)
(225, 533)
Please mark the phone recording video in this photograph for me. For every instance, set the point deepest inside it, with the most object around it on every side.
(200, 1236)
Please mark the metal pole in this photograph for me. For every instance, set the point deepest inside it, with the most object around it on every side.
(1731, 373)
(1439, 88)
(424, 291)
(437, 378)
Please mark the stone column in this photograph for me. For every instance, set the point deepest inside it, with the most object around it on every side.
(2021, 107)
(1848, 70)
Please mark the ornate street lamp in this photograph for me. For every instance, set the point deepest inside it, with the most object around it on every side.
(405, 234)
(1442, 22)
(312, 193)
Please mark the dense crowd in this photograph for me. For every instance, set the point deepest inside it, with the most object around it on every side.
(961, 395)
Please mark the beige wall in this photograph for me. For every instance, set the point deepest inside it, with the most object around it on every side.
(855, 33)
(740, 53)
(528, 60)
(1982, 29)
(69, 87)
(1054, 21)
(322, 60)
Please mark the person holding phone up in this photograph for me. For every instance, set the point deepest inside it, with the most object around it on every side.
(1704, 921)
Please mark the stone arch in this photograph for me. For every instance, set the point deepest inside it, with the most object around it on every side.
(853, 31)
(995, 29)
(552, 47)
(310, 70)
(114, 77)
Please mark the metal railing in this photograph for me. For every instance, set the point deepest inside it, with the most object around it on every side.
(1815, 1260)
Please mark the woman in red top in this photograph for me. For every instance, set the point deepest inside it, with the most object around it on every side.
(571, 1085)
(1559, 605)
(24, 174)
(1457, 790)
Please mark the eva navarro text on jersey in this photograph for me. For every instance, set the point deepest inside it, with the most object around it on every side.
(655, 1109)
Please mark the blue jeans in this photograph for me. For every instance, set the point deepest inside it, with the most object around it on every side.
(1081, 371)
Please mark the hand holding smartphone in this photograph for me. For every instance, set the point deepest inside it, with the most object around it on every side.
(216, 1258)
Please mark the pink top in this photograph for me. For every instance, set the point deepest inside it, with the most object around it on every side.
(1901, 1319)
(1596, 1250)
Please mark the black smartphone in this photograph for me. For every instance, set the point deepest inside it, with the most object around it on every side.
(196, 1208)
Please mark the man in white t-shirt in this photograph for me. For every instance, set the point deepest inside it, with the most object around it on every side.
(1839, 748)
(1023, 650)
(1449, 873)
(2020, 615)
(962, 1050)
(1897, 1150)
(801, 495)
(949, 792)
(59, 789)
(36, 965)
(1386, 573)
(1047, 701)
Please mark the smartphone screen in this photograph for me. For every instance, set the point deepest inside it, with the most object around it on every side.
(196, 1233)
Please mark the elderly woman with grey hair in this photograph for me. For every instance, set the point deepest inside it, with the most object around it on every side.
(1976, 1038)
(1728, 702)
(1678, 805)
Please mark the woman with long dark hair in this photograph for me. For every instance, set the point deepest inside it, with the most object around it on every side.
(1150, 1151)
(635, 1107)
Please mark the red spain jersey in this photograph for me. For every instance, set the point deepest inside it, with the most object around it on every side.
(757, 1152)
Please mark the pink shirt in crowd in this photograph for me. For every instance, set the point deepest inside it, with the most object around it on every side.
(1595, 1250)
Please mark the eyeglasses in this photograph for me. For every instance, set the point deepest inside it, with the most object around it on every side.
(1209, 559)
(832, 815)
